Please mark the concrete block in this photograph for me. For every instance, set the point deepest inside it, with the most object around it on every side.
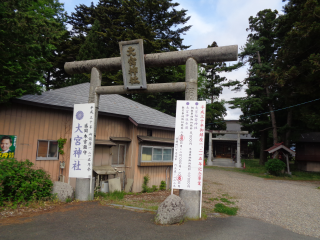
(192, 201)
(114, 185)
(171, 210)
(128, 187)
(82, 192)
(63, 191)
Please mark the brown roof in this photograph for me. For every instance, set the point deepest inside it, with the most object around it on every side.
(155, 139)
(122, 139)
(279, 146)
(105, 142)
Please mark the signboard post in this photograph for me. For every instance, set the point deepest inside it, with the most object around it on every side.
(81, 154)
(189, 146)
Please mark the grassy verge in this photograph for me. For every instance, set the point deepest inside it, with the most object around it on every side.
(221, 208)
(253, 168)
(120, 199)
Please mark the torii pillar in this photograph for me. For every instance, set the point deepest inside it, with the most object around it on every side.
(238, 162)
(190, 58)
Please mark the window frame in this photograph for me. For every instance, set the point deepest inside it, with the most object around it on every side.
(47, 158)
(124, 157)
(152, 160)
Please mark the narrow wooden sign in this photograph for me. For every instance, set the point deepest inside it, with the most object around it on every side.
(133, 67)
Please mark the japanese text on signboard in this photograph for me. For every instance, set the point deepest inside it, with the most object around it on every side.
(189, 145)
(82, 141)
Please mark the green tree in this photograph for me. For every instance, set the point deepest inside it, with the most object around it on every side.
(286, 74)
(297, 67)
(209, 89)
(259, 53)
(29, 32)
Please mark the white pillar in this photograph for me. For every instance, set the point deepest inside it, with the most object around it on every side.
(238, 163)
(209, 162)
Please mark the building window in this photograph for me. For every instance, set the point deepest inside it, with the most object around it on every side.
(157, 154)
(118, 154)
(149, 132)
(47, 150)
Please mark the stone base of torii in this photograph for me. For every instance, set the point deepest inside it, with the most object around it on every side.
(190, 58)
(210, 154)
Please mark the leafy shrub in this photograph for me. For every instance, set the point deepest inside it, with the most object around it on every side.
(20, 182)
(162, 185)
(145, 187)
(275, 166)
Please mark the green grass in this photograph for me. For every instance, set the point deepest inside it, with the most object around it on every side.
(253, 168)
(221, 208)
(226, 201)
(153, 207)
(116, 195)
(213, 199)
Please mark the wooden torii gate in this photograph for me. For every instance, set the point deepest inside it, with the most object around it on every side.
(238, 162)
(190, 58)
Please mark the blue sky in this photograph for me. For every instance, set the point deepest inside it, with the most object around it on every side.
(223, 21)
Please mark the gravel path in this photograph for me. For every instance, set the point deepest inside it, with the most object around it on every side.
(294, 205)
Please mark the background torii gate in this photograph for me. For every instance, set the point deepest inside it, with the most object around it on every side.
(190, 58)
(238, 162)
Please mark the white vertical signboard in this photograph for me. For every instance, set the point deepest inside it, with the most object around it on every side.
(189, 145)
(82, 141)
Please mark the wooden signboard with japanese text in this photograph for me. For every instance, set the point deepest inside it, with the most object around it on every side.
(133, 67)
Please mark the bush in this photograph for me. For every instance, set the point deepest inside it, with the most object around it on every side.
(275, 166)
(19, 182)
(145, 187)
(162, 185)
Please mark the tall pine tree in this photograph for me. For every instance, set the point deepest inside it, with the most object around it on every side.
(209, 89)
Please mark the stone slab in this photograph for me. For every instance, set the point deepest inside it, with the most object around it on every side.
(63, 191)
(128, 187)
(114, 184)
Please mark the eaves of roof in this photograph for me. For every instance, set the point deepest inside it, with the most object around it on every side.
(110, 105)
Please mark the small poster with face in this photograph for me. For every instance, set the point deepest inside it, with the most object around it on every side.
(7, 146)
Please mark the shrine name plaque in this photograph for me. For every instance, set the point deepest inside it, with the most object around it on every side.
(133, 67)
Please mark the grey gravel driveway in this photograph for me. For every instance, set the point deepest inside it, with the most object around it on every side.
(294, 205)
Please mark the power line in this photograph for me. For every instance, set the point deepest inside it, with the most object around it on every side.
(296, 105)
